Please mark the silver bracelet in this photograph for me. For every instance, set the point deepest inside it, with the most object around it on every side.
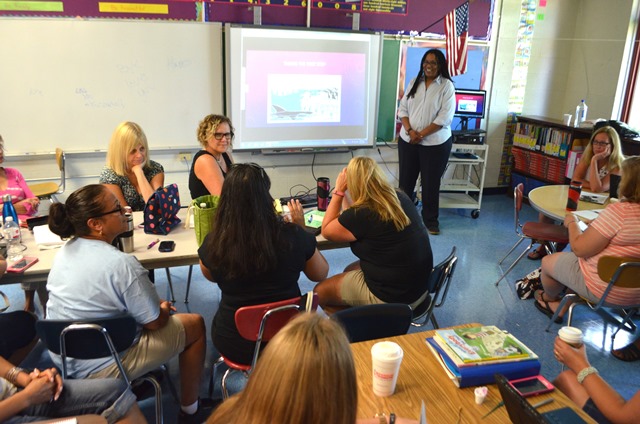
(12, 375)
(584, 373)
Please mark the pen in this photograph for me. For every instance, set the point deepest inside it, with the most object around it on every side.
(543, 403)
(153, 243)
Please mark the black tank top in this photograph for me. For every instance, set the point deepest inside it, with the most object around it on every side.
(197, 187)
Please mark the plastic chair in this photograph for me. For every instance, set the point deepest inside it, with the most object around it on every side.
(369, 322)
(98, 338)
(49, 190)
(259, 323)
(439, 282)
(537, 232)
(620, 272)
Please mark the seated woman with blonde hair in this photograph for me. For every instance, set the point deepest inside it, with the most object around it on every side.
(305, 375)
(386, 233)
(129, 173)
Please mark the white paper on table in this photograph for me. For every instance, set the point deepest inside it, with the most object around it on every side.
(587, 196)
(45, 239)
(589, 215)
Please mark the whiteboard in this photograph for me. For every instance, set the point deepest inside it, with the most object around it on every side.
(70, 82)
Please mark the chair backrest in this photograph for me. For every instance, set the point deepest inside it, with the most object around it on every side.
(87, 342)
(439, 282)
(370, 322)
(259, 323)
(61, 160)
(518, 195)
(621, 271)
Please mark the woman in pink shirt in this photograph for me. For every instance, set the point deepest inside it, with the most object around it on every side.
(615, 232)
(26, 204)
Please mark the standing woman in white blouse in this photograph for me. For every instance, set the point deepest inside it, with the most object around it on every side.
(426, 112)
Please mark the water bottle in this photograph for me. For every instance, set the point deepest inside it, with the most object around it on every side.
(8, 209)
(126, 238)
(11, 233)
(581, 113)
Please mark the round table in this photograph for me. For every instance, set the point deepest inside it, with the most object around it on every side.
(551, 201)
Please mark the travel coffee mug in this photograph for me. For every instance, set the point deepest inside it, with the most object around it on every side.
(323, 193)
(574, 195)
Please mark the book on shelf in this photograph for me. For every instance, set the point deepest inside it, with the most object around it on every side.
(483, 373)
(483, 344)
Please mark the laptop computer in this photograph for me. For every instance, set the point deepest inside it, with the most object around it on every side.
(522, 412)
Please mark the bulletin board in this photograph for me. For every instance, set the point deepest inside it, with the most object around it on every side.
(69, 82)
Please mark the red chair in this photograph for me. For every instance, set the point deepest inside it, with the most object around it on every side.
(537, 232)
(259, 323)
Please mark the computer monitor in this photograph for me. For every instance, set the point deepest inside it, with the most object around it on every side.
(470, 104)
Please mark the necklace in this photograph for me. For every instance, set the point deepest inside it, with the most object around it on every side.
(219, 160)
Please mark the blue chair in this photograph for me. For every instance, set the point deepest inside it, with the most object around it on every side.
(370, 322)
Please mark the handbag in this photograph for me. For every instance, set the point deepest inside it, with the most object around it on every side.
(161, 210)
(204, 210)
(527, 286)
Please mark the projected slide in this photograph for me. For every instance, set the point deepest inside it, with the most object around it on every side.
(302, 89)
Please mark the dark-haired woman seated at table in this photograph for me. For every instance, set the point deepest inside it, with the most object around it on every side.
(253, 255)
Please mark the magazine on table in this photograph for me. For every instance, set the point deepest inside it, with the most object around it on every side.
(482, 344)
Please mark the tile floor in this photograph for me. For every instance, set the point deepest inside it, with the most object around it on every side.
(473, 297)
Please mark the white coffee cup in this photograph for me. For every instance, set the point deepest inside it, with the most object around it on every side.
(386, 358)
(566, 119)
(571, 335)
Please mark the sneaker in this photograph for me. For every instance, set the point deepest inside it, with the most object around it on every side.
(205, 408)
(434, 230)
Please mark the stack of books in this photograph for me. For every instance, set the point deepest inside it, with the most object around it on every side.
(472, 356)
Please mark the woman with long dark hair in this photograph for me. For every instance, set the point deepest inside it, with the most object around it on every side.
(426, 112)
(253, 255)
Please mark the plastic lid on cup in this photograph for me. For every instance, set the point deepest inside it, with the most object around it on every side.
(387, 350)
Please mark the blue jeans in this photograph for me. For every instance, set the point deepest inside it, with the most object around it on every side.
(109, 398)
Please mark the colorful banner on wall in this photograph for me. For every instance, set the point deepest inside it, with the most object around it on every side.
(138, 9)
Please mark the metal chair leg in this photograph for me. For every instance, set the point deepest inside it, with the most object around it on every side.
(186, 296)
(173, 298)
(214, 366)
(511, 250)
(514, 263)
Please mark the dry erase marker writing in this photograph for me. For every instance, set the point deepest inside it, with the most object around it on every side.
(153, 243)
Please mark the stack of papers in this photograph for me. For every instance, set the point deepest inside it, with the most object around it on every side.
(45, 239)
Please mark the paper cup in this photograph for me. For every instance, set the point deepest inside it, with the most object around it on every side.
(566, 119)
(386, 358)
(571, 335)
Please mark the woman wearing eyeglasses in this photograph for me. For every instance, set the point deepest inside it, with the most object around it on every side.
(601, 158)
(210, 165)
(129, 173)
(90, 278)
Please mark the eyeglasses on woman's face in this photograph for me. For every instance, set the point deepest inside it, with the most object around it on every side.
(219, 136)
(601, 143)
(118, 209)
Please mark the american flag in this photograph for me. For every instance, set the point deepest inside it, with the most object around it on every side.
(456, 30)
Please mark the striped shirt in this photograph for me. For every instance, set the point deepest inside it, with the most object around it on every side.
(620, 223)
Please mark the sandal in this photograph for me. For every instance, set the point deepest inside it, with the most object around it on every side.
(546, 309)
(629, 353)
(538, 253)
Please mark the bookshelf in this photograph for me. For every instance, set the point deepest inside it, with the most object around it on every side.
(545, 151)
(542, 151)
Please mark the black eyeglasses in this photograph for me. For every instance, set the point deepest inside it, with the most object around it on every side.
(118, 208)
(600, 143)
(220, 136)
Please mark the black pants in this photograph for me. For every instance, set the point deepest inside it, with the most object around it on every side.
(430, 162)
